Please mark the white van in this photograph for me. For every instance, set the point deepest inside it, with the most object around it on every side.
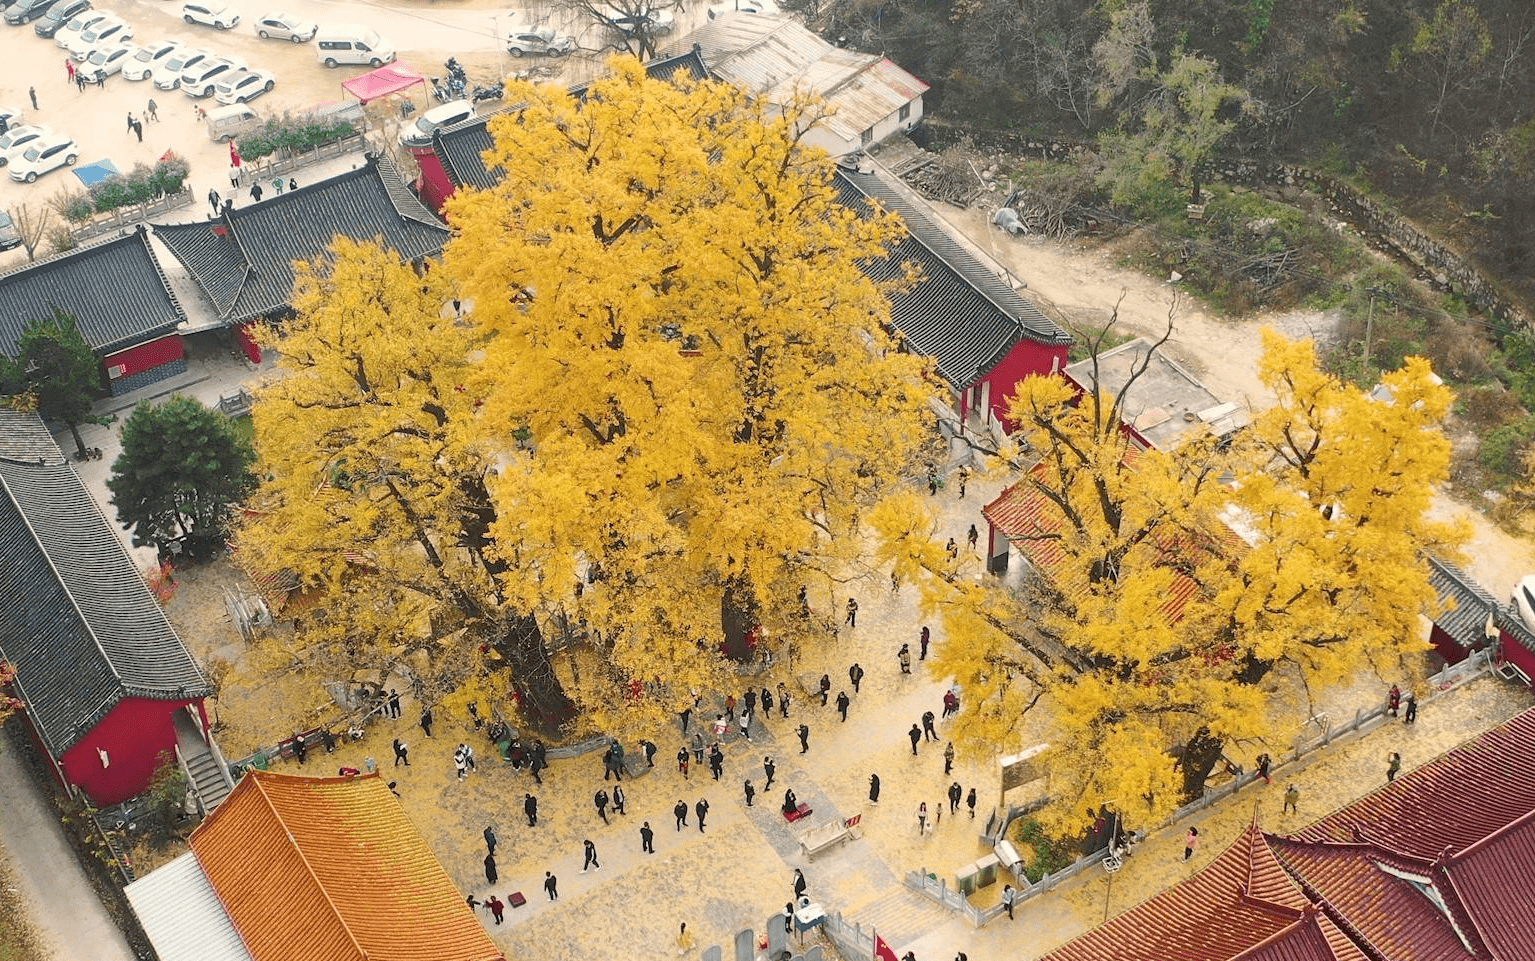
(227, 123)
(336, 44)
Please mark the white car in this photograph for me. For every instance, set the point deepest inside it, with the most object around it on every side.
(9, 117)
(71, 30)
(105, 61)
(148, 57)
(285, 26)
(167, 72)
(200, 79)
(44, 155)
(210, 14)
(538, 41)
(107, 32)
(764, 7)
(450, 113)
(243, 86)
(16, 140)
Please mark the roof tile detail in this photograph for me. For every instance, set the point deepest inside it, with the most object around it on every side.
(330, 869)
(1464, 605)
(76, 618)
(115, 290)
(244, 259)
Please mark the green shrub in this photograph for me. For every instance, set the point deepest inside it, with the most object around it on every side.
(1503, 449)
(294, 135)
(1047, 855)
(138, 186)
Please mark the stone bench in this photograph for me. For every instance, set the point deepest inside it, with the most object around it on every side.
(819, 840)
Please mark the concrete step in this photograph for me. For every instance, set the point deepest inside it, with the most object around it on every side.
(899, 915)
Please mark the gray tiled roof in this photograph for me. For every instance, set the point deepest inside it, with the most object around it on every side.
(244, 259)
(1464, 604)
(115, 290)
(960, 313)
(460, 149)
(76, 619)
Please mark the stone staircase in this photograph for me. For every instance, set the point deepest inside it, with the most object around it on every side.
(208, 776)
(900, 916)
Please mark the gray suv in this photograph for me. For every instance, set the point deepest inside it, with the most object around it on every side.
(25, 11)
(59, 14)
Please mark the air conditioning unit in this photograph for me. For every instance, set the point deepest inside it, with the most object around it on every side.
(116, 371)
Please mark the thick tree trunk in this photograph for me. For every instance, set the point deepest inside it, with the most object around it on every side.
(738, 619)
(74, 431)
(541, 698)
(1199, 759)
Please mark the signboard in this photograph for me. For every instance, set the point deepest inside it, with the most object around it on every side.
(1022, 768)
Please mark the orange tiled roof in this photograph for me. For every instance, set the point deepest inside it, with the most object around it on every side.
(1026, 517)
(330, 869)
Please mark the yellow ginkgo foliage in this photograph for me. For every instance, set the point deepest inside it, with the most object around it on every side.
(671, 400)
(1168, 585)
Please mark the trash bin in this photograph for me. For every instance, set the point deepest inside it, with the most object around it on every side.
(986, 870)
(964, 879)
(1007, 854)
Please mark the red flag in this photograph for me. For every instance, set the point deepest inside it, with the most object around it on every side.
(882, 950)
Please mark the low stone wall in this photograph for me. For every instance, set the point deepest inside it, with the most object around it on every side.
(1449, 269)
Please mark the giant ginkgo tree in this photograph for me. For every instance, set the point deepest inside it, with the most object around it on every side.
(672, 400)
(1170, 585)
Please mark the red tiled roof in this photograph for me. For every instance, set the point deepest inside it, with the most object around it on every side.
(1493, 882)
(1241, 899)
(330, 869)
(1029, 520)
(1313, 938)
(1448, 804)
(1384, 909)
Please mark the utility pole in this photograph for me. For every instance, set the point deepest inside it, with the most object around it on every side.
(1369, 328)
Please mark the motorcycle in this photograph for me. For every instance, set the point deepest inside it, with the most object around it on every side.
(492, 91)
(449, 89)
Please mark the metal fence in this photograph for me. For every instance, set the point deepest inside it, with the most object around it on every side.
(938, 889)
(273, 166)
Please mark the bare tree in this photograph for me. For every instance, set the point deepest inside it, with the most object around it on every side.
(32, 224)
(634, 26)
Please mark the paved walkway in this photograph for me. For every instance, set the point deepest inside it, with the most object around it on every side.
(65, 910)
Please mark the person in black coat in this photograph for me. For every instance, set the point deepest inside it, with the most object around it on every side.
(873, 788)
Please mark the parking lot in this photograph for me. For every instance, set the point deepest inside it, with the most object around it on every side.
(425, 33)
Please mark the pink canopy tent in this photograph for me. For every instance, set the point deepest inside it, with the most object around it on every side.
(388, 79)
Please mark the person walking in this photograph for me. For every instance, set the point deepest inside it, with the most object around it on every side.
(799, 884)
(804, 738)
(647, 839)
(686, 717)
(767, 702)
(929, 733)
(590, 851)
(1394, 700)
(80, 82)
(956, 793)
(750, 791)
(716, 760)
(292, 183)
(852, 612)
(922, 640)
(1009, 898)
(824, 686)
(213, 200)
(1291, 800)
(1410, 716)
(426, 712)
(702, 810)
(682, 761)
(873, 788)
(685, 942)
(904, 657)
(130, 122)
(490, 838)
(842, 703)
(497, 906)
(69, 68)
(394, 696)
(680, 812)
(530, 808)
(649, 749)
(698, 748)
(32, 93)
(746, 724)
(600, 800)
(948, 759)
(618, 798)
(138, 131)
(101, 80)
(1190, 842)
(970, 803)
(1264, 764)
(537, 761)
(1393, 766)
(150, 112)
(768, 768)
(783, 701)
(256, 193)
(401, 753)
(973, 536)
(922, 818)
(550, 882)
(490, 869)
(459, 764)
(855, 675)
(916, 738)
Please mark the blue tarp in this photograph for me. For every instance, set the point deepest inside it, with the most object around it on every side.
(93, 174)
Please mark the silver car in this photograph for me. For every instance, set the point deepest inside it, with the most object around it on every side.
(539, 41)
(285, 26)
(200, 79)
(147, 58)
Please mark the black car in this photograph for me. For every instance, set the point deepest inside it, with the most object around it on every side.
(25, 11)
(59, 14)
